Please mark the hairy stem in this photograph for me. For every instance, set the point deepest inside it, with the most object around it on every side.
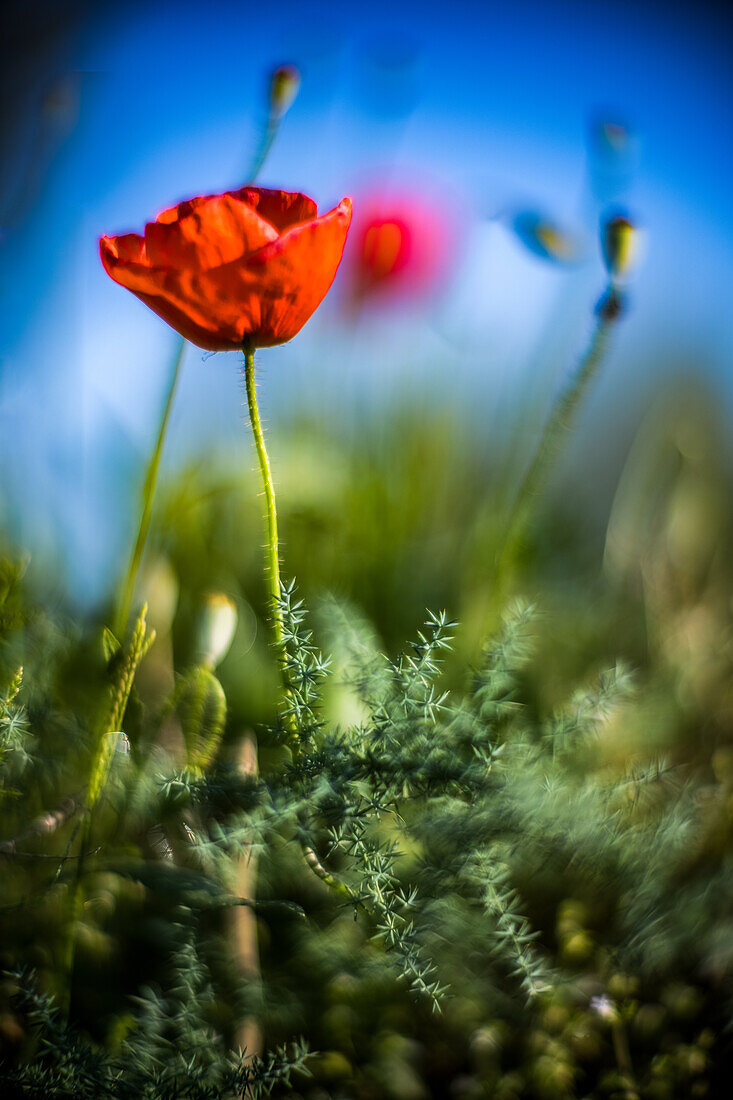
(148, 492)
(273, 579)
(271, 550)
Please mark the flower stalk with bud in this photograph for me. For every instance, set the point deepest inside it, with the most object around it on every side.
(618, 246)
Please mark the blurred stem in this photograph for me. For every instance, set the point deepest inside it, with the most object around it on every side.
(122, 614)
(272, 549)
(75, 909)
(244, 918)
(268, 137)
(558, 425)
(107, 731)
(622, 1053)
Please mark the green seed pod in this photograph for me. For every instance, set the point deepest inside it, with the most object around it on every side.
(619, 240)
(284, 87)
(201, 707)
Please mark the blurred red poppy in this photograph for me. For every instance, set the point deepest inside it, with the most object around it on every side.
(400, 246)
(245, 267)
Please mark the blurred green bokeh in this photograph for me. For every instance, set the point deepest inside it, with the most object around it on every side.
(404, 516)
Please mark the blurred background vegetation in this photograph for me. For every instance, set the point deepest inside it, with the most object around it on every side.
(405, 518)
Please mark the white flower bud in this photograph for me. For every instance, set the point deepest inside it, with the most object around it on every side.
(216, 629)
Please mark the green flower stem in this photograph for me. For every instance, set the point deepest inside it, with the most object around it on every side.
(124, 606)
(268, 137)
(273, 578)
(108, 727)
(272, 549)
(558, 425)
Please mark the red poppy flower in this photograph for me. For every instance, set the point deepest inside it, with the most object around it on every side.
(401, 245)
(248, 266)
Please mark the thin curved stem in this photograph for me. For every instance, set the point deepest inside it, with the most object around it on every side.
(273, 577)
(124, 606)
(266, 141)
(558, 425)
(272, 548)
(109, 726)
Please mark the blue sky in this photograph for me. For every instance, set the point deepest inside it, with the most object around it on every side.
(485, 106)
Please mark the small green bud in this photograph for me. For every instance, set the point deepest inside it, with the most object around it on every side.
(201, 707)
(619, 243)
(216, 629)
(284, 88)
(546, 239)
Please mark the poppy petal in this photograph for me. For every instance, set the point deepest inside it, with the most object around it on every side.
(207, 234)
(127, 248)
(183, 320)
(278, 288)
(172, 295)
(282, 209)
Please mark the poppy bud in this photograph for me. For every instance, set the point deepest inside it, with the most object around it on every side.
(611, 139)
(216, 629)
(202, 709)
(284, 87)
(619, 245)
(545, 239)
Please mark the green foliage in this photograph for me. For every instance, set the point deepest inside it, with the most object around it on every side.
(169, 1053)
(201, 706)
(494, 876)
(14, 735)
